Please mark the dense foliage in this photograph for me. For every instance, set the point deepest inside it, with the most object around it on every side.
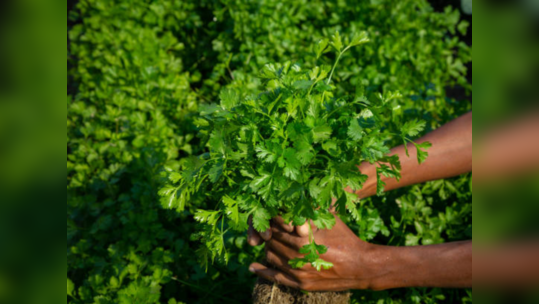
(287, 151)
(139, 70)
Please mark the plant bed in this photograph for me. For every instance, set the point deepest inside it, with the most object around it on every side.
(266, 292)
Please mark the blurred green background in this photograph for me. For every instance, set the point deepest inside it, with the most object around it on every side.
(137, 71)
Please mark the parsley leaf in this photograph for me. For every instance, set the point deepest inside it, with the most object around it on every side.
(324, 219)
(422, 155)
(261, 218)
(319, 264)
(216, 171)
(359, 38)
(260, 181)
(265, 154)
(291, 169)
(336, 42)
(207, 216)
(320, 47)
(229, 98)
(297, 262)
(231, 209)
(321, 132)
(355, 132)
(304, 151)
(413, 128)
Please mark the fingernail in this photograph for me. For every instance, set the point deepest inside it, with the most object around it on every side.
(251, 269)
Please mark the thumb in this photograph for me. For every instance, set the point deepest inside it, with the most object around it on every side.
(303, 230)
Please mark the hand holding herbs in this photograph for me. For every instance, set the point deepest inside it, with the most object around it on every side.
(451, 155)
(361, 265)
(353, 266)
(287, 152)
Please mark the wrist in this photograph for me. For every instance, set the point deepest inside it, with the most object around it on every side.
(373, 266)
(388, 267)
(369, 187)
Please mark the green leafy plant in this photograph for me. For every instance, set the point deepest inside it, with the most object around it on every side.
(137, 72)
(287, 151)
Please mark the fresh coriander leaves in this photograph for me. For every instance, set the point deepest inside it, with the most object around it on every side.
(355, 131)
(413, 128)
(422, 155)
(311, 252)
(287, 150)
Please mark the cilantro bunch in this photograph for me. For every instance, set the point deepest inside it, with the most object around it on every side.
(287, 151)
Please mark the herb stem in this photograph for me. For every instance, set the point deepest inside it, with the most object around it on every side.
(223, 235)
(311, 235)
(337, 61)
(312, 86)
(345, 105)
(328, 159)
(334, 65)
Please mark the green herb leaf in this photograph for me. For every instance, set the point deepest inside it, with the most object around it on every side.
(319, 264)
(355, 132)
(229, 98)
(422, 155)
(336, 42)
(324, 219)
(359, 38)
(216, 171)
(207, 216)
(260, 181)
(304, 152)
(297, 262)
(321, 133)
(231, 209)
(320, 47)
(413, 128)
(261, 219)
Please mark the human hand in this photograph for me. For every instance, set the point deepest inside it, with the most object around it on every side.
(355, 263)
(255, 238)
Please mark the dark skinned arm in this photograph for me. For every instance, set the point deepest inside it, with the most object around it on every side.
(361, 265)
(449, 156)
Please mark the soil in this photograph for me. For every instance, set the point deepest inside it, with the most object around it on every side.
(266, 292)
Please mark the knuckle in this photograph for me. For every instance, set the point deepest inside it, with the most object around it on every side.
(305, 278)
(303, 242)
(270, 258)
(299, 275)
(303, 285)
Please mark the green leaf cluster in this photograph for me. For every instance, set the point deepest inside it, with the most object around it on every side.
(286, 150)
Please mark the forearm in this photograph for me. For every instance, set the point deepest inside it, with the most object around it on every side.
(450, 155)
(442, 265)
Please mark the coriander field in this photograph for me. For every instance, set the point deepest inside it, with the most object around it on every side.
(187, 120)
